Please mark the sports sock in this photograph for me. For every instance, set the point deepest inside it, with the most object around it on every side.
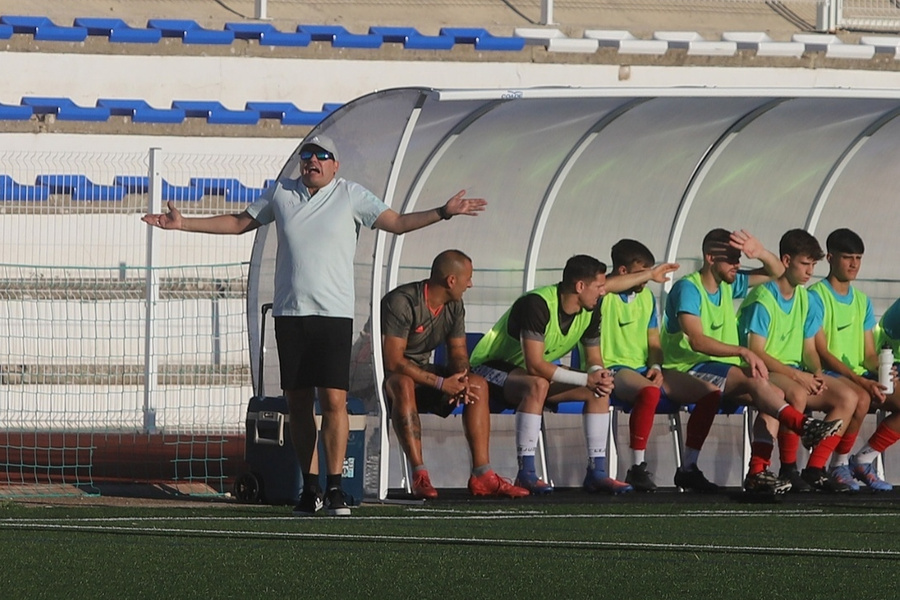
(819, 455)
(641, 420)
(845, 446)
(638, 456)
(419, 468)
(791, 418)
(333, 481)
(596, 433)
(691, 456)
(760, 456)
(788, 444)
(479, 471)
(883, 438)
(528, 430)
(310, 482)
(701, 420)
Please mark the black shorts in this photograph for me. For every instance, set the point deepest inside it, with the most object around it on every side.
(495, 372)
(314, 351)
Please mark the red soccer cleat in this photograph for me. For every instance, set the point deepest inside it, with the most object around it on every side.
(421, 486)
(491, 484)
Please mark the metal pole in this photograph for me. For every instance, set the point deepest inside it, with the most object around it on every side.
(547, 12)
(151, 360)
(261, 6)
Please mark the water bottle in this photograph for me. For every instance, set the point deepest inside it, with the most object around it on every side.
(885, 364)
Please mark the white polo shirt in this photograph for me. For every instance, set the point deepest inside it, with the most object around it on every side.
(316, 243)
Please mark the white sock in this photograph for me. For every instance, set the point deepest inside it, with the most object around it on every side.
(528, 430)
(840, 460)
(866, 455)
(596, 432)
(638, 456)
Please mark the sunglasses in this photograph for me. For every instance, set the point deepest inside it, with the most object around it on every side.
(320, 154)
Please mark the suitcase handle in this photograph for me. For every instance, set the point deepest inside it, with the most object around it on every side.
(269, 416)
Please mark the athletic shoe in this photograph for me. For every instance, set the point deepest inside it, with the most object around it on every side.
(844, 476)
(640, 478)
(789, 472)
(421, 486)
(692, 479)
(310, 503)
(765, 482)
(820, 481)
(865, 472)
(600, 482)
(336, 503)
(531, 482)
(814, 430)
(491, 484)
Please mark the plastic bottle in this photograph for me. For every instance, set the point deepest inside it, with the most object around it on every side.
(885, 364)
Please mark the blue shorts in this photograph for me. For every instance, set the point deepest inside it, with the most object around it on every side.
(713, 372)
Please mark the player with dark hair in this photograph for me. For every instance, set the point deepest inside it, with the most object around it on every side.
(700, 337)
(517, 358)
(630, 348)
(846, 346)
(775, 322)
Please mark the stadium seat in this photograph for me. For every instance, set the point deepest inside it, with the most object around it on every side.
(232, 189)
(288, 113)
(888, 44)
(17, 192)
(555, 40)
(65, 109)
(6, 31)
(15, 112)
(215, 113)
(117, 30)
(626, 43)
(140, 184)
(141, 112)
(762, 44)
(340, 37)
(267, 35)
(190, 31)
(80, 187)
(43, 29)
(412, 39)
(482, 39)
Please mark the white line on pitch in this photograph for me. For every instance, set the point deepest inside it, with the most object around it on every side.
(531, 542)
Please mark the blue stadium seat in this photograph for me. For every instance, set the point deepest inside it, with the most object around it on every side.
(6, 31)
(287, 113)
(412, 39)
(215, 113)
(15, 113)
(65, 109)
(340, 37)
(80, 187)
(141, 112)
(17, 192)
(140, 184)
(117, 30)
(267, 34)
(232, 189)
(482, 39)
(43, 29)
(190, 31)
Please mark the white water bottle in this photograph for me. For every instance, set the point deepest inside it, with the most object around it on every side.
(885, 365)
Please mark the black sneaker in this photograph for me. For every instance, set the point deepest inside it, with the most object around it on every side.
(789, 472)
(336, 503)
(814, 430)
(765, 482)
(310, 503)
(692, 479)
(640, 478)
(820, 480)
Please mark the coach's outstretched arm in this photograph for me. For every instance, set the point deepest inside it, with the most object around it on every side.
(394, 222)
(233, 224)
